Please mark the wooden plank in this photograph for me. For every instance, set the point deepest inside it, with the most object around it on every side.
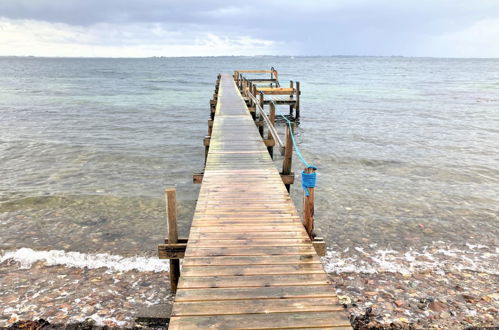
(171, 250)
(245, 241)
(231, 229)
(277, 91)
(251, 281)
(243, 223)
(332, 320)
(307, 268)
(262, 81)
(292, 305)
(249, 219)
(254, 71)
(251, 260)
(247, 235)
(193, 251)
(276, 292)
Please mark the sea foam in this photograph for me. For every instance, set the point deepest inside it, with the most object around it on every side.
(115, 263)
(438, 257)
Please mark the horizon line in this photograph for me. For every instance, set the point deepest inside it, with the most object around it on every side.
(212, 56)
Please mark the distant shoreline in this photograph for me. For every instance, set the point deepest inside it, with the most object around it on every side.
(257, 56)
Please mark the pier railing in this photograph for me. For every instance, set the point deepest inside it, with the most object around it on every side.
(277, 95)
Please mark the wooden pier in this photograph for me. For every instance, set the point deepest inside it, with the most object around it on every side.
(249, 262)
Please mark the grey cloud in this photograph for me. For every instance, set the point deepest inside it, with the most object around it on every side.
(383, 27)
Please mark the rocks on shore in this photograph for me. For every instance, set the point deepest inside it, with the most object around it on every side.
(454, 300)
(75, 298)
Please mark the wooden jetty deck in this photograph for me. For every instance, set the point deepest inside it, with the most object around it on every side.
(270, 90)
(249, 262)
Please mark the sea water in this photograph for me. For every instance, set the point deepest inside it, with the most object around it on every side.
(407, 151)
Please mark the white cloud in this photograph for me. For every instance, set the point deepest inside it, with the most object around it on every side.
(477, 40)
(30, 37)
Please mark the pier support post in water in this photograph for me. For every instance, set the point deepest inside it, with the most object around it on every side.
(297, 106)
(308, 207)
(272, 122)
(171, 202)
(206, 142)
(260, 117)
(288, 154)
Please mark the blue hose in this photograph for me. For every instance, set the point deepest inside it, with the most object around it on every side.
(308, 180)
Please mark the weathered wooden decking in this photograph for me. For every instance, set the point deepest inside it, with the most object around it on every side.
(249, 262)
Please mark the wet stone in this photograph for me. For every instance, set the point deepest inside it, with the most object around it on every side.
(437, 306)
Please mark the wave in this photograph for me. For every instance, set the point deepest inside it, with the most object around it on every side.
(439, 258)
(114, 263)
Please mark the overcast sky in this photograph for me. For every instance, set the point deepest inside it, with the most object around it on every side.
(137, 28)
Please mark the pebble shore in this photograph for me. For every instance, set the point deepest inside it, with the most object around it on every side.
(423, 300)
(94, 298)
(62, 295)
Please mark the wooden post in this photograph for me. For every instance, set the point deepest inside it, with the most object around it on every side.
(262, 104)
(291, 105)
(251, 90)
(171, 201)
(287, 162)
(210, 126)
(238, 80)
(217, 83)
(308, 208)
(206, 142)
(272, 122)
(297, 108)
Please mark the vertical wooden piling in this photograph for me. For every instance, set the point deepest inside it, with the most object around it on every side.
(287, 162)
(206, 142)
(252, 92)
(210, 126)
(291, 106)
(171, 202)
(297, 107)
(272, 122)
(308, 208)
(260, 116)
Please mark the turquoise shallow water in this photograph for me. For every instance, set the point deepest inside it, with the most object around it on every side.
(407, 149)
